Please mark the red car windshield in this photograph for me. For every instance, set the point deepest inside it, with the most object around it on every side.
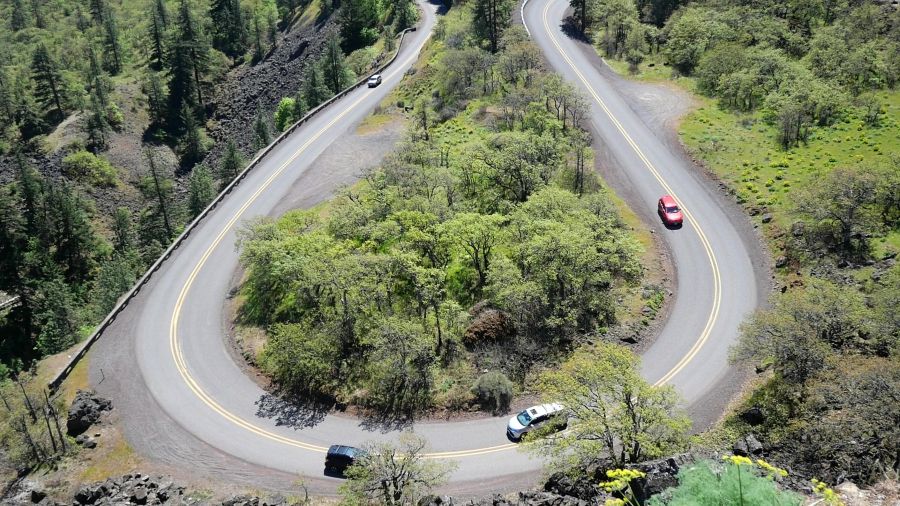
(672, 209)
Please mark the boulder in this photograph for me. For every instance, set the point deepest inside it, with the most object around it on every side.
(561, 484)
(549, 499)
(781, 262)
(747, 446)
(85, 411)
(491, 325)
(661, 474)
(766, 218)
(753, 416)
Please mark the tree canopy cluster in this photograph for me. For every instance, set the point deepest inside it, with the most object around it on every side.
(832, 403)
(394, 295)
(800, 62)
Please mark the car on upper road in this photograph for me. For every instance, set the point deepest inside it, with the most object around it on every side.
(534, 417)
(374, 81)
(669, 211)
(340, 457)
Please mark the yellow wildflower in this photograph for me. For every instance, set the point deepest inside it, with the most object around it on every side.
(770, 469)
(737, 460)
(614, 502)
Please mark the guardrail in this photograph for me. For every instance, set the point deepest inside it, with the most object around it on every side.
(10, 302)
(126, 298)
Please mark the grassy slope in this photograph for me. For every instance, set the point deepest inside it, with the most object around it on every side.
(741, 149)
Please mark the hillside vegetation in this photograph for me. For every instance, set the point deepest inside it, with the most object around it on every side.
(482, 246)
(799, 115)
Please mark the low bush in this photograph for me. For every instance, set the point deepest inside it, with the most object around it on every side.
(494, 391)
(736, 481)
(87, 167)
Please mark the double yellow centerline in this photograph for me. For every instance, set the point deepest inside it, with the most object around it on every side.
(717, 279)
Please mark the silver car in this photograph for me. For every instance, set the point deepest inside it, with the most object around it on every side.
(374, 81)
(534, 417)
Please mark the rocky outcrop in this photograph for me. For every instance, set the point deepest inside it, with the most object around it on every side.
(489, 326)
(85, 411)
(747, 446)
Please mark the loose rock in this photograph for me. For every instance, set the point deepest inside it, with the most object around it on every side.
(85, 411)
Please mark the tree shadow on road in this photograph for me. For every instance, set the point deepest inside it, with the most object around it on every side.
(570, 29)
(385, 422)
(292, 412)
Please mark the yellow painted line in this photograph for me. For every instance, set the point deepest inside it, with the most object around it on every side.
(717, 280)
(175, 345)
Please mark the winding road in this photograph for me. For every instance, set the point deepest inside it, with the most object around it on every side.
(186, 402)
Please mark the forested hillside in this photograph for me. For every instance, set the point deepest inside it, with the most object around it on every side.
(122, 119)
(799, 114)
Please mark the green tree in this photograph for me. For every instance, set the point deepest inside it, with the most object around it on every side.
(18, 17)
(495, 391)
(284, 114)
(192, 145)
(842, 210)
(123, 231)
(476, 236)
(336, 74)
(72, 237)
(48, 86)
(229, 28)
(231, 165)
(96, 125)
(358, 21)
(56, 316)
(491, 19)
(188, 63)
(612, 411)
(394, 474)
(200, 190)
(156, 99)
(689, 34)
(314, 89)
(304, 359)
(262, 137)
(301, 108)
(157, 189)
(112, 55)
(157, 35)
(116, 276)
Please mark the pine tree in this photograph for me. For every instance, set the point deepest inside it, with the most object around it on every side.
(358, 18)
(232, 164)
(81, 22)
(112, 55)
(229, 30)
(191, 142)
(156, 99)
(98, 82)
(18, 18)
(73, 239)
(157, 189)
(123, 231)
(191, 38)
(300, 106)
(261, 130)
(491, 18)
(31, 190)
(55, 315)
(201, 190)
(7, 107)
(98, 10)
(257, 40)
(314, 90)
(335, 72)
(157, 35)
(162, 13)
(116, 276)
(96, 126)
(48, 88)
(13, 241)
(38, 10)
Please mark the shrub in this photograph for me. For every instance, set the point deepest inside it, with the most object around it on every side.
(494, 390)
(88, 167)
(284, 115)
(737, 481)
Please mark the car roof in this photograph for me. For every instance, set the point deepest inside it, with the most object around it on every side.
(344, 450)
(667, 200)
(544, 409)
(374, 76)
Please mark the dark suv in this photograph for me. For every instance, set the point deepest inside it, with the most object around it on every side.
(339, 458)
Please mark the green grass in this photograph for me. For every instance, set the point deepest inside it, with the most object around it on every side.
(742, 150)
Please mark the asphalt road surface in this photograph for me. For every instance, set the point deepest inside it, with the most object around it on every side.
(175, 328)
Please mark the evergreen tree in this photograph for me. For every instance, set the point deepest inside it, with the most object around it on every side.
(314, 90)
(115, 278)
(191, 38)
(201, 190)
(98, 10)
(261, 130)
(229, 30)
(81, 22)
(191, 142)
(13, 241)
(157, 35)
(162, 13)
(188, 62)
(491, 18)
(38, 11)
(96, 126)
(55, 315)
(98, 82)
(18, 18)
(157, 189)
(73, 239)
(156, 99)
(31, 191)
(358, 21)
(300, 106)
(336, 73)
(112, 56)
(7, 106)
(123, 231)
(48, 87)
(232, 164)
(257, 40)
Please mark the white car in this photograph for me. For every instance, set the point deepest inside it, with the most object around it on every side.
(374, 81)
(532, 418)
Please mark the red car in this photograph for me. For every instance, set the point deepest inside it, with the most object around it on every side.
(669, 211)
